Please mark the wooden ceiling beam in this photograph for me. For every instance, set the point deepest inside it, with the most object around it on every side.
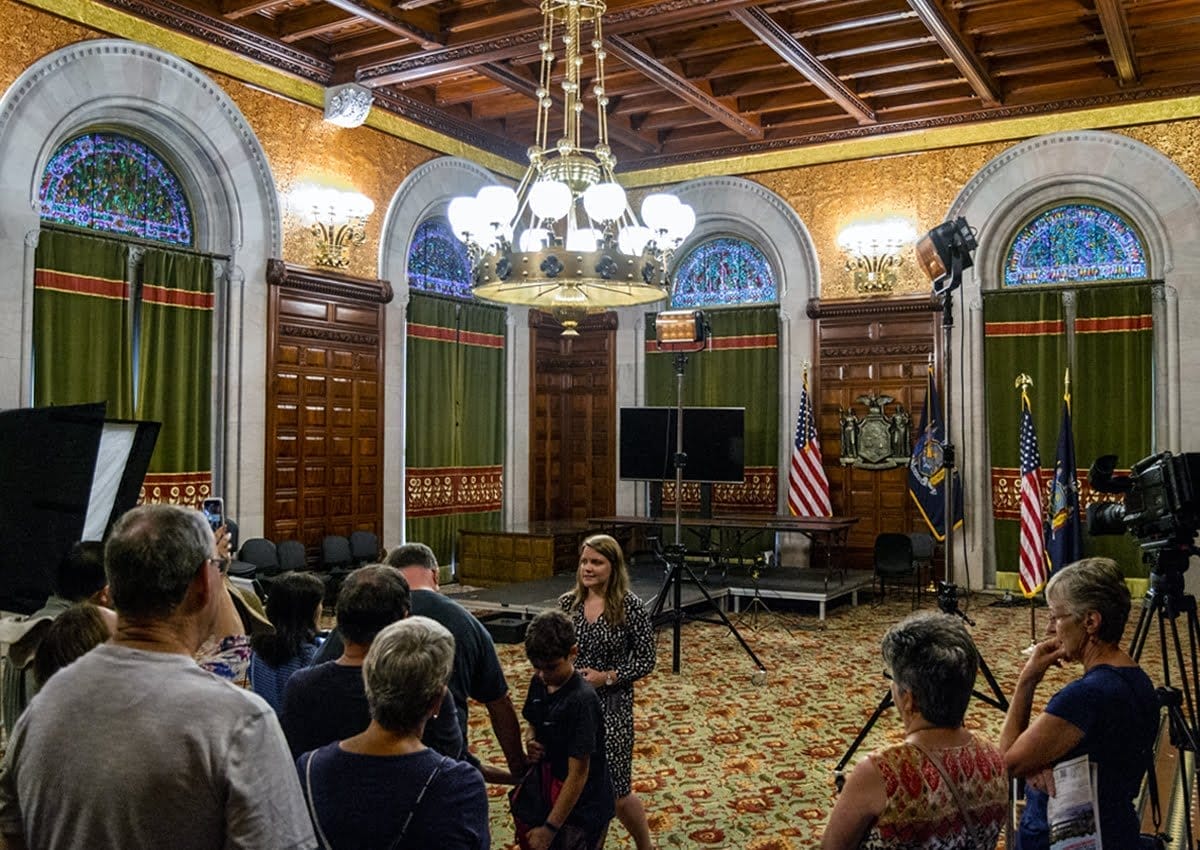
(397, 24)
(231, 10)
(365, 45)
(618, 131)
(698, 95)
(795, 54)
(310, 21)
(509, 45)
(1120, 39)
(956, 47)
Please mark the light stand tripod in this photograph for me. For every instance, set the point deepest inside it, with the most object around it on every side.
(757, 603)
(1165, 602)
(945, 252)
(676, 555)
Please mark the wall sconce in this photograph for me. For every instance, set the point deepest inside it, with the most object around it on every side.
(873, 253)
(337, 218)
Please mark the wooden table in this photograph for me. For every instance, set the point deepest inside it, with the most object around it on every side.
(534, 550)
(735, 530)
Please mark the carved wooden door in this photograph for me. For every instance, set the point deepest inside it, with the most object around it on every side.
(324, 416)
(572, 410)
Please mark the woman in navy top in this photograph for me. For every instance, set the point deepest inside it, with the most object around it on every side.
(1110, 714)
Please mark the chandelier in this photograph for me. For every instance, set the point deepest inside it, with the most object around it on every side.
(566, 240)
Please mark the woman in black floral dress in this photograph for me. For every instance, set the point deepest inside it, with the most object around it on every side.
(616, 648)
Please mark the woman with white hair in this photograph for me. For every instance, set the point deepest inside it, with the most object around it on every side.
(383, 788)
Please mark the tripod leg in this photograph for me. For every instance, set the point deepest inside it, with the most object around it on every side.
(884, 705)
(1138, 642)
(999, 700)
(724, 619)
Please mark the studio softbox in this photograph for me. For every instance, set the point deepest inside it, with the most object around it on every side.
(66, 474)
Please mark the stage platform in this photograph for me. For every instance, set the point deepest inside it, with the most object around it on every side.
(529, 598)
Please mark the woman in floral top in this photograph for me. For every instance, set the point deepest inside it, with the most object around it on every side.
(616, 648)
(942, 788)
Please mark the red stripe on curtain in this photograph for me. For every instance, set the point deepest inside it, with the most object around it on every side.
(1114, 324)
(153, 294)
(437, 490)
(1006, 490)
(80, 284)
(475, 338)
(1051, 326)
(728, 343)
(176, 488)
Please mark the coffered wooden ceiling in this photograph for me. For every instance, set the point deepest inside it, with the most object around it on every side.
(697, 79)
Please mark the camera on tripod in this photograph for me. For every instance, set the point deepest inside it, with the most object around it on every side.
(1160, 509)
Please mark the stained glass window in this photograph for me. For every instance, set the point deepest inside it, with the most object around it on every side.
(724, 271)
(1075, 243)
(437, 261)
(109, 182)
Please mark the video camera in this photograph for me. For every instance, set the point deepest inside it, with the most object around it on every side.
(1160, 508)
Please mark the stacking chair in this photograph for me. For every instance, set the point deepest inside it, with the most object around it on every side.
(893, 561)
(364, 547)
(291, 556)
(922, 546)
(261, 553)
(337, 562)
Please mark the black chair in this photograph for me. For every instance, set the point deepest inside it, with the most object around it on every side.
(894, 561)
(292, 555)
(260, 552)
(337, 562)
(364, 547)
(922, 546)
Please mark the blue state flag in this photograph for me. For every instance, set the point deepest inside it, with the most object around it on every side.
(926, 473)
(1064, 538)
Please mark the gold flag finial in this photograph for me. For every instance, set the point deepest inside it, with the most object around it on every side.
(1067, 382)
(1023, 382)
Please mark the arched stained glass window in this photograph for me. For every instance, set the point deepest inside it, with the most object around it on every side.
(437, 260)
(109, 182)
(724, 271)
(1075, 242)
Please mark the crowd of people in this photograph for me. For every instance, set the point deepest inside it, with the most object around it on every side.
(122, 699)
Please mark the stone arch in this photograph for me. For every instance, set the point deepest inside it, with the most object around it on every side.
(426, 192)
(739, 207)
(133, 88)
(1154, 194)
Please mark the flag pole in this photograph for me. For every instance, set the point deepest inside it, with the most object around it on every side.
(1023, 383)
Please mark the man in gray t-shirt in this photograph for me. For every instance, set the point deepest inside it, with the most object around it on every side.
(134, 745)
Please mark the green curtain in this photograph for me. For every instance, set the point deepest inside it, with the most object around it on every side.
(1113, 395)
(455, 397)
(740, 369)
(82, 323)
(1024, 333)
(175, 378)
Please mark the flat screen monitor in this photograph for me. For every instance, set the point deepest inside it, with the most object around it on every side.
(714, 440)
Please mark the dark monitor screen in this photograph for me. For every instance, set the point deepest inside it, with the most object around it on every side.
(714, 440)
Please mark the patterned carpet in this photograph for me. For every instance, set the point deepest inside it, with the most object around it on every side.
(723, 763)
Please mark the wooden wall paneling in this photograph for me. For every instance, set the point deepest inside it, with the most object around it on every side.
(324, 422)
(881, 346)
(573, 455)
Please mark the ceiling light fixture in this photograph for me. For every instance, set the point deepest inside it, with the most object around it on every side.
(566, 240)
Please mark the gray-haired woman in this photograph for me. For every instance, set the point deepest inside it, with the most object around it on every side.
(1109, 714)
(383, 788)
(942, 787)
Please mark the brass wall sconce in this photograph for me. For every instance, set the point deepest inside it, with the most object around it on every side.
(337, 219)
(873, 253)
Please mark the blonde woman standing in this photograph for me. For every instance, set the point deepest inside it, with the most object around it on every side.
(616, 648)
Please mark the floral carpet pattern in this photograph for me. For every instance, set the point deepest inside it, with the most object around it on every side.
(721, 762)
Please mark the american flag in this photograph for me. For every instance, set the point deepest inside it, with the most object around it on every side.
(808, 488)
(1033, 549)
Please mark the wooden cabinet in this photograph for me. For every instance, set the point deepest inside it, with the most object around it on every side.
(521, 553)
